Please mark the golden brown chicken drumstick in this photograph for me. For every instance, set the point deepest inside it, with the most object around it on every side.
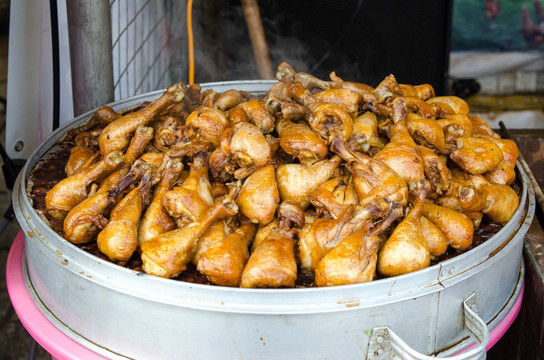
(80, 156)
(406, 250)
(338, 82)
(426, 132)
(457, 227)
(354, 259)
(206, 125)
(106, 115)
(345, 98)
(476, 155)
(168, 254)
(281, 105)
(258, 114)
(334, 197)
(296, 182)
(401, 153)
(259, 196)
(436, 172)
(422, 91)
(286, 72)
(365, 134)
(246, 145)
(301, 142)
(72, 190)
(311, 178)
(316, 239)
(504, 173)
(188, 202)
(224, 261)
(437, 242)
(273, 262)
(458, 105)
(87, 219)
(330, 121)
(371, 178)
(215, 233)
(230, 99)
(119, 239)
(139, 141)
(155, 220)
(116, 136)
(499, 202)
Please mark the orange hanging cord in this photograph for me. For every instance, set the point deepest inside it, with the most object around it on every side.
(190, 41)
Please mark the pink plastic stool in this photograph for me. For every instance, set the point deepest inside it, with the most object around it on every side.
(54, 341)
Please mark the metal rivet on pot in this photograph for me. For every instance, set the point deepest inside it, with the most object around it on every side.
(452, 271)
(379, 339)
(19, 145)
(443, 273)
(379, 352)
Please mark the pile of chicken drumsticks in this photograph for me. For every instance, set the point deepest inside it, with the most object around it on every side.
(332, 178)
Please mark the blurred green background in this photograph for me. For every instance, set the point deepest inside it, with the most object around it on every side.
(498, 25)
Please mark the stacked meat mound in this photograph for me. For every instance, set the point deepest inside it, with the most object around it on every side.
(331, 178)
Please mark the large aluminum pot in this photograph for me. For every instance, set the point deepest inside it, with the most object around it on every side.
(121, 313)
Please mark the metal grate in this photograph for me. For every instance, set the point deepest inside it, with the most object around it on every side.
(148, 45)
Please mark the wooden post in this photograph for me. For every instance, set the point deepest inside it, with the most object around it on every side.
(258, 40)
(89, 31)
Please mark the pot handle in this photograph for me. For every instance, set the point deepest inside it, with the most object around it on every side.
(385, 344)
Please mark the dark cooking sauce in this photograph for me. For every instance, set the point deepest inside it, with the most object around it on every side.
(46, 173)
(50, 169)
